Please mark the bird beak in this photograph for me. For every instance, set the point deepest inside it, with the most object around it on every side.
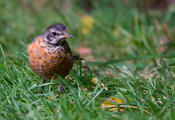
(67, 35)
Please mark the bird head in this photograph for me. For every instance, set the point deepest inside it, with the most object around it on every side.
(56, 34)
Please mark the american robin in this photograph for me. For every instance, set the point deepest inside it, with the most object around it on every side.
(50, 54)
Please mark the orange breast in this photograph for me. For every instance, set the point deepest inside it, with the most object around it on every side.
(45, 63)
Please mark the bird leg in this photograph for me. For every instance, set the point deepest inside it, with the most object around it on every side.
(44, 81)
(60, 88)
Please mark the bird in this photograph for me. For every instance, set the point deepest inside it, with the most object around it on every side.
(49, 54)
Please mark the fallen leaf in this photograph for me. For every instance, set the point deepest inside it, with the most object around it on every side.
(116, 109)
(108, 103)
(84, 51)
(121, 110)
(51, 98)
(84, 67)
(57, 110)
(135, 107)
(94, 80)
(119, 107)
(106, 88)
(102, 85)
(112, 109)
(116, 32)
(86, 24)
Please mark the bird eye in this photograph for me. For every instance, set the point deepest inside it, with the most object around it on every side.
(63, 27)
(54, 33)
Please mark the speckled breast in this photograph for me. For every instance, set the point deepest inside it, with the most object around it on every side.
(46, 61)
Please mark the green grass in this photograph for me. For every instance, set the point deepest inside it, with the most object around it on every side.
(131, 63)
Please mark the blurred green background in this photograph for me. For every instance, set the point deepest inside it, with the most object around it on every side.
(117, 27)
(128, 46)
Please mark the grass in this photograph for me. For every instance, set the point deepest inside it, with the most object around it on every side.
(128, 58)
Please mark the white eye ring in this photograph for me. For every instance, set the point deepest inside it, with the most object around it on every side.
(58, 32)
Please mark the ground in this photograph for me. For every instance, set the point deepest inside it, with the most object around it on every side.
(129, 62)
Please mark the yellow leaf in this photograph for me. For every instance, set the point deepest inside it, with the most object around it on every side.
(115, 109)
(116, 32)
(94, 80)
(107, 103)
(121, 110)
(86, 23)
(112, 107)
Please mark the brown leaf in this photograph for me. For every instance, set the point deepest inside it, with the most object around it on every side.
(84, 51)
(53, 97)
